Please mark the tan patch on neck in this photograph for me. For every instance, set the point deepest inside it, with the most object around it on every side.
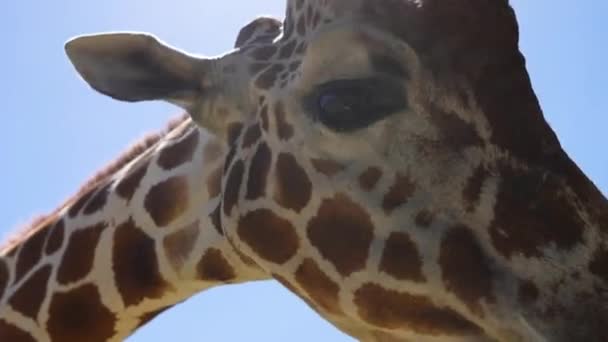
(28, 298)
(212, 151)
(77, 260)
(79, 315)
(319, 287)
(214, 267)
(167, 200)
(395, 310)
(180, 244)
(9, 332)
(342, 231)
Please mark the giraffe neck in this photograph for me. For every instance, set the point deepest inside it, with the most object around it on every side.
(550, 227)
(134, 244)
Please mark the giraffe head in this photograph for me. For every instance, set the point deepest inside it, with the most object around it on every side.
(389, 162)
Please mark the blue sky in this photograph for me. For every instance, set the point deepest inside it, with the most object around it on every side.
(56, 131)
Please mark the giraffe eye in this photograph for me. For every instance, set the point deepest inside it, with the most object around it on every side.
(349, 105)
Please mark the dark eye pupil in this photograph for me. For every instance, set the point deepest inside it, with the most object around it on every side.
(348, 105)
(335, 104)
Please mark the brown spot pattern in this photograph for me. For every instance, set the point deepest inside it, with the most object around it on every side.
(216, 219)
(264, 117)
(214, 267)
(98, 201)
(284, 129)
(135, 265)
(180, 152)
(127, 186)
(264, 52)
(394, 310)
(80, 202)
(252, 135)
(9, 332)
(599, 264)
(180, 244)
(528, 292)
(337, 218)
(214, 183)
(55, 237)
(472, 191)
(255, 68)
(258, 172)
(319, 287)
(287, 49)
(294, 188)
(30, 253)
(234, 131)
(271, 237)
(167, 200)
(267, 78)
(399, 193)
(530, 214)
(401, 258)
(79, 315)
(369, 178)
(4, 274)
(464, 268)
(424, 218)
(327, 167)
(77, 260)
(28, 298)
(233, 185)
(454, 133)
(301, 25)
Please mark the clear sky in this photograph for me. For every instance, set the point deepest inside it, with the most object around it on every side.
(56, 131)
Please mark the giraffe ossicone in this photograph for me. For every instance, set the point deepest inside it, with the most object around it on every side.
(387, 161)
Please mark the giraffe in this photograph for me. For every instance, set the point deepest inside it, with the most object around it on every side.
(138, 238)
(388, 162)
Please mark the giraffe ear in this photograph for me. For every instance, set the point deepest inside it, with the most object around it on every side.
(138, 67)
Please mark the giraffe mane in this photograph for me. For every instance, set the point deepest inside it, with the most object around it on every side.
(127, 156)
